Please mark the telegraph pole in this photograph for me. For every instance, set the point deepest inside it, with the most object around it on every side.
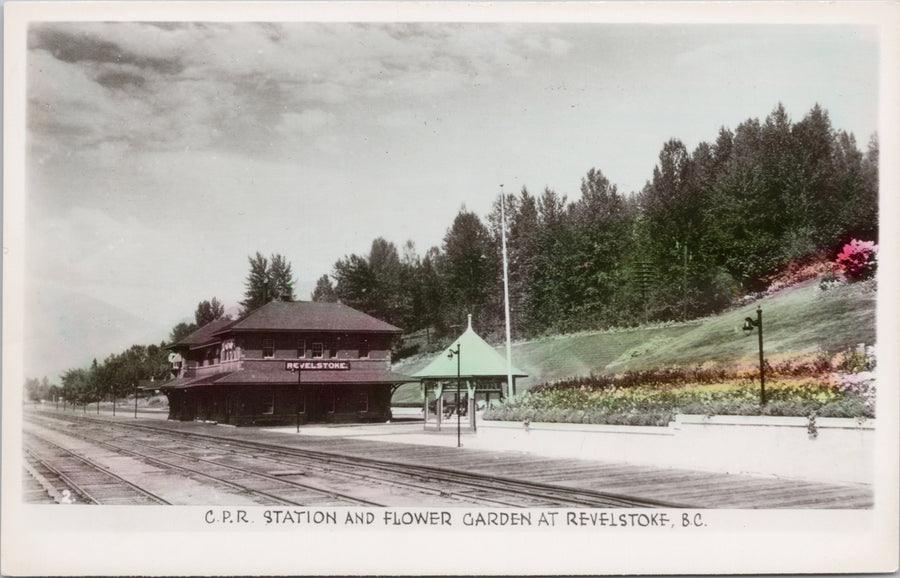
(509, 382)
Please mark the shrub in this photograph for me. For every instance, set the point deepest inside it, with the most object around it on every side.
(854, 361)
(857, 259)
(802, 268)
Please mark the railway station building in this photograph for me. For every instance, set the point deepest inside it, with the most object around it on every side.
(285, 362)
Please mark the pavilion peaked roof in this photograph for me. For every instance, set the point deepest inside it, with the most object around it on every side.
(476, 359)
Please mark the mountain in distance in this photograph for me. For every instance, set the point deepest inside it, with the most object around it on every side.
(72, 329)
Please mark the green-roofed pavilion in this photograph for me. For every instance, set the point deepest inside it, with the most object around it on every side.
(482, 373)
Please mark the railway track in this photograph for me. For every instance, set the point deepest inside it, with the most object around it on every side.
(258, 487)
(303, 477)
(72, 478)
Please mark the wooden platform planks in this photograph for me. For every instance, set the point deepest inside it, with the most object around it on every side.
(688, 487)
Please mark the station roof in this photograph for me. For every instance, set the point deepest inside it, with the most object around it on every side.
(202, 336)
(363, 375)
(248, 376)
(308, 316)
(186, 382)
(477, 359)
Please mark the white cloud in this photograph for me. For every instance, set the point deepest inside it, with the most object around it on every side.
(193, 86)
(305, 122)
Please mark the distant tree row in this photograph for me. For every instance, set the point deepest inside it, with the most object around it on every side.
(116, 376)
(38, 389)
(710, 224)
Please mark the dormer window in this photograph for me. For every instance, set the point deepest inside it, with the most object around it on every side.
(268, 348)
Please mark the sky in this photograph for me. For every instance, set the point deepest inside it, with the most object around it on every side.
(160, 156)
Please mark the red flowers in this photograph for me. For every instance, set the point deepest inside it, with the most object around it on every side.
(857, 260)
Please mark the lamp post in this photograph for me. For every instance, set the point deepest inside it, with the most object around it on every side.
(299, 393)
(450, 354)
(749, 324)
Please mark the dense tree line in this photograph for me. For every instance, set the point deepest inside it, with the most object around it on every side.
(709, 225)
(116, 376)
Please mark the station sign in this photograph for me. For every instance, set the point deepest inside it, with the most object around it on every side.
(316, 365)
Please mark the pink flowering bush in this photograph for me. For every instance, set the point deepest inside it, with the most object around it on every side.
(857, 260)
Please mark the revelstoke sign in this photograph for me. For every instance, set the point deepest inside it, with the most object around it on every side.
(316, 365)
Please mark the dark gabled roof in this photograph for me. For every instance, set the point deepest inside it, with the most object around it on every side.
(309, 316)
(202, 336)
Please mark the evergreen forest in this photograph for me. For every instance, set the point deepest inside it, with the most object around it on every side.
(709, 226)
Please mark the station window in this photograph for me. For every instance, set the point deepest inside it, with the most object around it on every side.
(268, 348)
(333, 349)
(318, 350)
(268, 404)
(364, 348)
(301, 349)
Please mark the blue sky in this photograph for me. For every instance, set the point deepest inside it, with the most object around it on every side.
(160, 156)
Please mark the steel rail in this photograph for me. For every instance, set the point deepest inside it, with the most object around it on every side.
(319, 465)
(269, 477)
(572, 496)
(220, 480)
(66, 480)
(95, 467)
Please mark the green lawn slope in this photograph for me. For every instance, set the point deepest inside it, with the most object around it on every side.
(797, 321)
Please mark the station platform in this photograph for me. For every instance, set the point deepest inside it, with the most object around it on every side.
(406, 442)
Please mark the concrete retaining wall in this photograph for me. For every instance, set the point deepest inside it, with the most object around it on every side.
(841, 451)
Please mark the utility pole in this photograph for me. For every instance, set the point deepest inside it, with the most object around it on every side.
(509, 382)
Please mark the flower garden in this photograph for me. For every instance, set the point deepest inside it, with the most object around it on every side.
(837, 385)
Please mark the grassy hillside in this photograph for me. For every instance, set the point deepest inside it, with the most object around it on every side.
(797, 322)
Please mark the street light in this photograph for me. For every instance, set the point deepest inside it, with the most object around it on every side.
(749, 324)
(450, 354)
(299, 393)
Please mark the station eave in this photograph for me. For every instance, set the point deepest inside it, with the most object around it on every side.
(250, 377)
